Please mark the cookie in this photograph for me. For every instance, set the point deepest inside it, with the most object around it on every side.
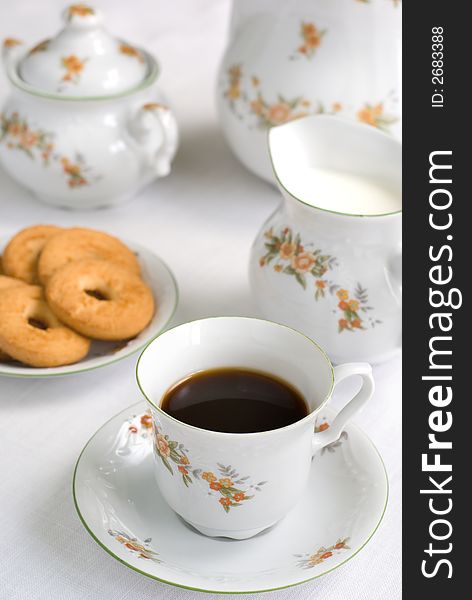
(32, 334)
(100, 299)
(20, 257)
(78, 244)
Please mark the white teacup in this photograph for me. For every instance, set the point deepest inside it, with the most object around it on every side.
(238, 484)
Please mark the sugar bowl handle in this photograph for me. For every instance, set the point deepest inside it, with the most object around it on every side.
(154, 128)
(330, 435)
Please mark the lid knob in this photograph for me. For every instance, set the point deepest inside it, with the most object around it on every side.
(82, 16)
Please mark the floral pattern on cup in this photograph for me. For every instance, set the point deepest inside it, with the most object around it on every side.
(375, 115)
(227, 486)
(323, 425)
(136, 547)
(131, 51)
(79, 10)
(301, 261)
(73, 66)
(141, 425)
(308, 561)
(293, 258)
(17, 134)
(172, 451)
(312, 37)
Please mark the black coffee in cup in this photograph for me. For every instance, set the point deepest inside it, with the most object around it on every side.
(234, 400)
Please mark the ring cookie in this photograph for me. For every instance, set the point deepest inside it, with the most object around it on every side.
(5, 284)
(20, 257)
(100, 299)
(32, 334)
(79, 244)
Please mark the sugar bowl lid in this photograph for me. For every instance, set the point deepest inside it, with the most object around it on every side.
(83, 59)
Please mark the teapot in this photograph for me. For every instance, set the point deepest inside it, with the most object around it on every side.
(321, 263)
(84, 125)
(286, 59)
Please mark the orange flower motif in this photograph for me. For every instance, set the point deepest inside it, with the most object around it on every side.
(184, 461)
(235, 74)
(239, 496)
(73, 66)
(226, 482)
(29, 138)
(326, 555)
(146, 421)
(162, 445)
(340, 545)
(343, 323)
(353, 305)
(214, 485)
(320, 284)
(323, 427)
(257, 106)
(278, 268)
(343, 305)
(308, 29)
(133, 429)
(311, 39)
(11, 42)
(370, 114)
(208, 476)
(14, 128)
(131, 51)
(154, 105)
(336, 107)
(262, 261)
(279, 113)
(234, 92)
(303, 262)
(356, 323)
(225, 501)
(287, 250)
(342, 294)
(134, 546)
(183, 470)
(80, 10)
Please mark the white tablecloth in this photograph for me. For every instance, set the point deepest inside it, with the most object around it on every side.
(201, 220)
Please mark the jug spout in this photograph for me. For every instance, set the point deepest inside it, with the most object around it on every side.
(338, 166)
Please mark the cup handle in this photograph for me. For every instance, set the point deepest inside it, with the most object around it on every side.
(328, 436)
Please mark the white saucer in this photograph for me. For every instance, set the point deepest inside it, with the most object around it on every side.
(162, 282)
(121, 507)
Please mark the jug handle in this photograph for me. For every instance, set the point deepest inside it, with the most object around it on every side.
(154, 128)
(394, 275)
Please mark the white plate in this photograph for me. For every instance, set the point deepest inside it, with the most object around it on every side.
(121, 507)
(164, 287)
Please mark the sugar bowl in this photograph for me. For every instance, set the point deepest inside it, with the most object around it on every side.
(84, 125)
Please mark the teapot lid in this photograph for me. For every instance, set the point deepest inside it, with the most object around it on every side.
(83, 59)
